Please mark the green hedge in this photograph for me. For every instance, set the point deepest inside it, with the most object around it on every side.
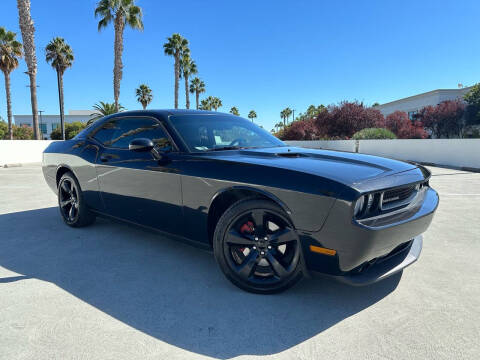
(373, 133)
(71, 129)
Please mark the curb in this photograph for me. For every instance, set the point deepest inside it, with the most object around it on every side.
(12, 165)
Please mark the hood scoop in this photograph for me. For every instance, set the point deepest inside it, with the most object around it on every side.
(291, 154)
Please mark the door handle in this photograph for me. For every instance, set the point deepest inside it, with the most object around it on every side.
(105, 157)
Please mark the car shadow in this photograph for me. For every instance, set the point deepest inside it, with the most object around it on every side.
(170, 290)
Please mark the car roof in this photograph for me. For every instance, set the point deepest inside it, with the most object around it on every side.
(167, 112)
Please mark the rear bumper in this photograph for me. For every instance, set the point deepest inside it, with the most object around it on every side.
(384, 268)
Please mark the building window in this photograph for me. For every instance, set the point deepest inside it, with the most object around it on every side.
(43, 128)
(412, 115)
(55, 125)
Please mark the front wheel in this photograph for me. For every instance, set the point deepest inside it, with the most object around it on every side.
(71, 204)
(257, 247)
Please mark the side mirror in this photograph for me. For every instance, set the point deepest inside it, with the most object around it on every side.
(141, 144)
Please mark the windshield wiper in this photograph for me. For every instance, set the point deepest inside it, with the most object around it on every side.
(227, 148)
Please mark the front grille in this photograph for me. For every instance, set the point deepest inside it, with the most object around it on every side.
(398, 194)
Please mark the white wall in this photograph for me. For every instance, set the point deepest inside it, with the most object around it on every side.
(22, 151)
(448, 152)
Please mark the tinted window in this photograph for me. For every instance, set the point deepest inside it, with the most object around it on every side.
(119, 133)
(210, 132)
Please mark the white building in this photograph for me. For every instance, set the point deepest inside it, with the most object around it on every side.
(412, 104)
(48, 123)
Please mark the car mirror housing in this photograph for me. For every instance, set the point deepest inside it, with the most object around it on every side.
(141, 144)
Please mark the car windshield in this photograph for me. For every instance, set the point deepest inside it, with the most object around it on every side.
(221, 132)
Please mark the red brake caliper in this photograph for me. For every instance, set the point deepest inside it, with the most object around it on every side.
(246, 228)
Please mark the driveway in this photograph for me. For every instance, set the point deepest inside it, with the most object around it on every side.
(112, 291)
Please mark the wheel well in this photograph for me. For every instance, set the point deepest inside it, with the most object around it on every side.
(61, 170)
(226, 199)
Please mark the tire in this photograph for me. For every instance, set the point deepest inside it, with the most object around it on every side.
(71, 203)
(257, 247)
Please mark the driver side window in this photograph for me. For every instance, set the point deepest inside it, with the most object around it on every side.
(118, 133)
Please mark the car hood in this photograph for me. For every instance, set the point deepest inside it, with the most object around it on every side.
(348, 168)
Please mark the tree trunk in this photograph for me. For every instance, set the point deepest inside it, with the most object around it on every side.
(33, 98)
(187, 97)
(118, 66)
(197, 94)
(28, 37)
(60, 102)
(177, 76)
(144, 105)
(9, 104)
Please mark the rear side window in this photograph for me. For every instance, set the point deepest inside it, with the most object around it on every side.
(118, 133)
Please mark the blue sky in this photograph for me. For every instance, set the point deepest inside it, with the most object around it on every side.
(261, 55)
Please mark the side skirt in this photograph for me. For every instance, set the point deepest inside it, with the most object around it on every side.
(194, 243)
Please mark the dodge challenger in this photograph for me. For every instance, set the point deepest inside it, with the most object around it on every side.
(272, 213)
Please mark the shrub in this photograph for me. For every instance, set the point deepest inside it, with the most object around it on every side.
(399, 123)
(374, 133)
(347, 118)
(3, 129)
(444, 120)
(22, 132)
(300, 130)
(71, 129)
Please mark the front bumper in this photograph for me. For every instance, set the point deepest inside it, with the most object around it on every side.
(359, 244)
(384, 268)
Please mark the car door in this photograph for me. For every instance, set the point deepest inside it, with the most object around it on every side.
(138, 186)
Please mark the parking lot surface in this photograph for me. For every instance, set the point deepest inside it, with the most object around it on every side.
(112, 291)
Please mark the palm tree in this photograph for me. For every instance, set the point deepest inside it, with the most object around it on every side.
(176, 46)
(234, 111)
(188, 67)
(197, 86)
(252, 115)
(205, 105)
(215, 102)
(288, 112)
(10, 51)
(121, 13)
(60, 55)
(144, 95)
(102, 109)
(28, 37)
(283, 117)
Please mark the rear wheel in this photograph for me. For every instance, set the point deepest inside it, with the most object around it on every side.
(257, 247)
(71, 204)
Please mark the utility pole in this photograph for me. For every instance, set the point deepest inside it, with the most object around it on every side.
(41, 121)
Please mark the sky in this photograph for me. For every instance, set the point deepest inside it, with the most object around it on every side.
(263, 55)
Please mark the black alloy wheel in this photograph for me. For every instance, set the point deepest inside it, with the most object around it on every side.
(68, 198)
(257, 247)
(71, 203)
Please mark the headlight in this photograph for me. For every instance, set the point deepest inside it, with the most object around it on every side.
(359, 205)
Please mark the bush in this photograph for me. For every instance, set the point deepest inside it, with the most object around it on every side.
(374, 133)
(3, 129)
(22, 132)
(300, 130)
(71, 129)
(399, 123)
(445, 120)
(346, 119)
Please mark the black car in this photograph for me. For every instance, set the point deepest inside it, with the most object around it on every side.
(272, 213)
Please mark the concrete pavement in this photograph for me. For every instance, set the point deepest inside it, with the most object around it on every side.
(111, 291)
